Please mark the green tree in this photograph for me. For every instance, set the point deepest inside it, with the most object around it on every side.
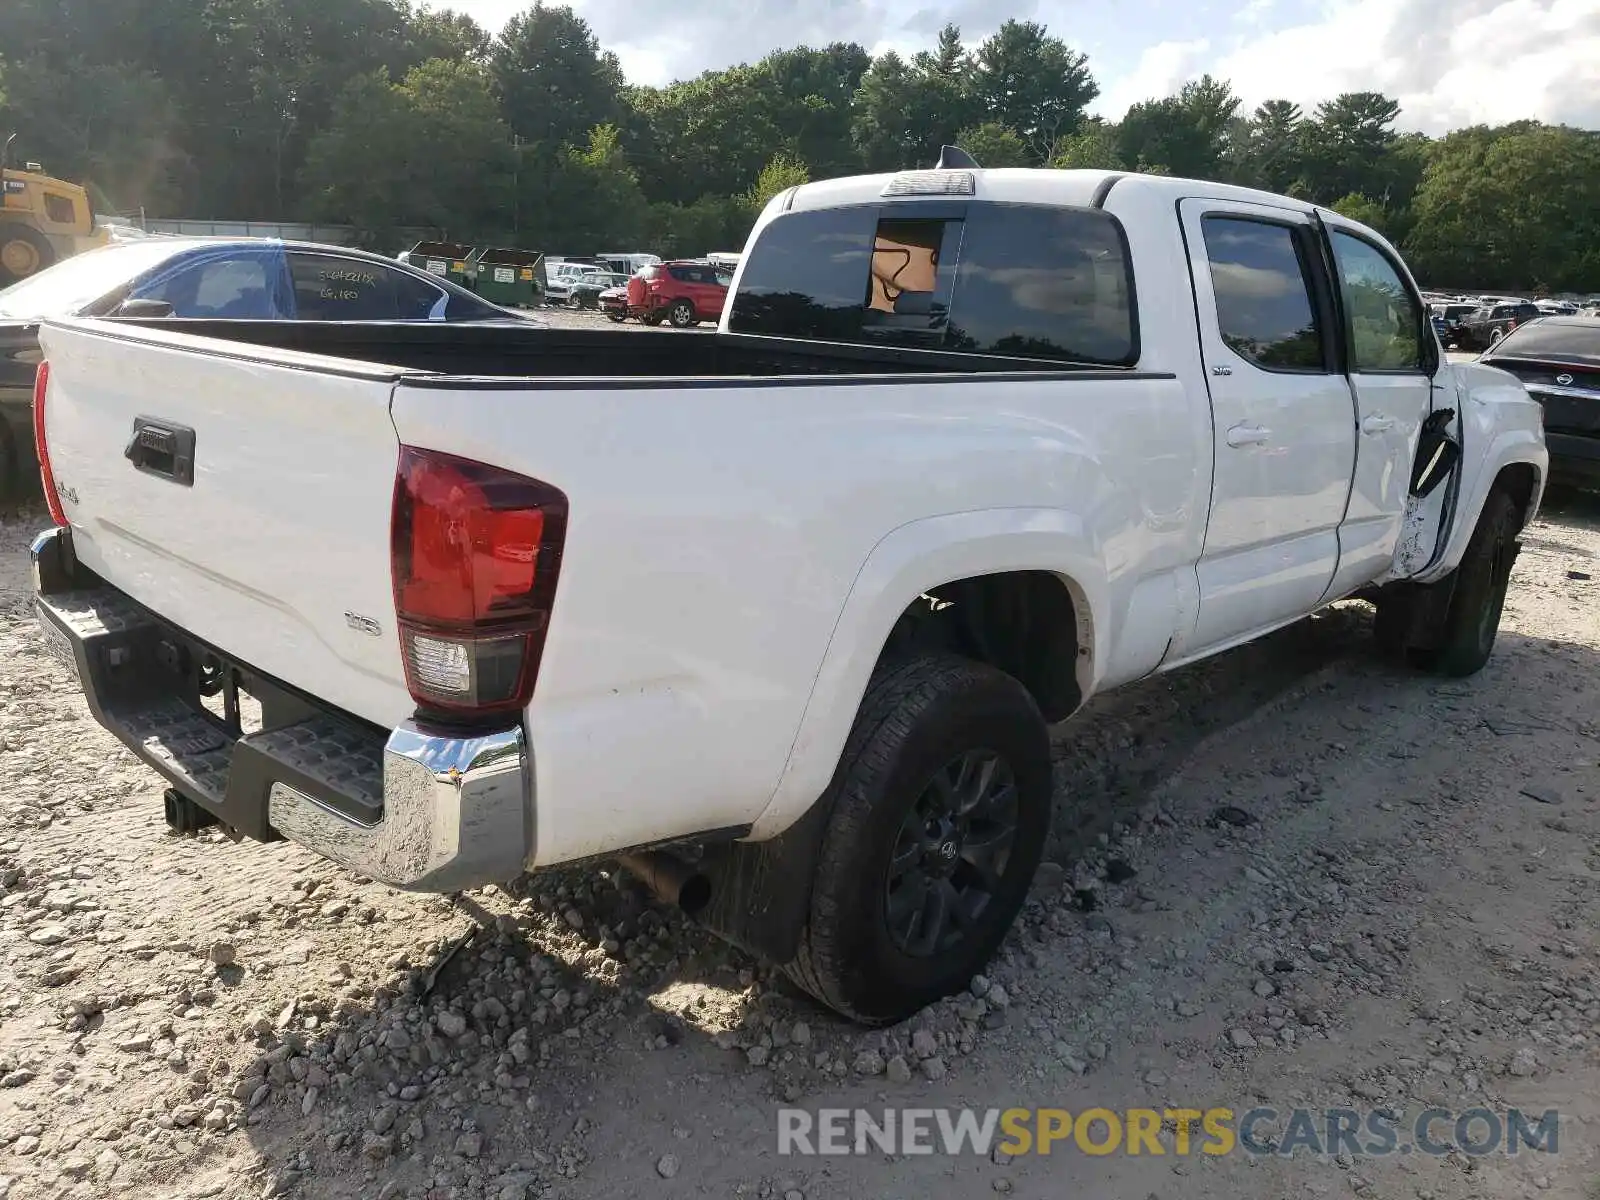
(429, 151)
(707, 225)
(1095, 147)
(443, 33)
(1185, 134)
(1508, 207)
(1361, 208)
(809, 93)
(779, 175)
(1346, 146)
(360, 168)
(904, 112)
(1276, 146)
(554, 81)
(949, 58)
(993, 145)
(713, 134)
(1032, 83)
(109, 125)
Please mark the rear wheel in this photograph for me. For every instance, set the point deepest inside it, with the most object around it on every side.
(1496, 336)
(24, 251)
(938, 815)
(682, 314)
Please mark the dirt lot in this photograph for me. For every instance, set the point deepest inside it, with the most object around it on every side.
(1296, 875)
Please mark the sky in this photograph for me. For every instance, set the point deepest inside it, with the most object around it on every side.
(1449, 62)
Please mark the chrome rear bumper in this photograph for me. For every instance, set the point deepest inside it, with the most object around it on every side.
(421, 809)
(456, 814)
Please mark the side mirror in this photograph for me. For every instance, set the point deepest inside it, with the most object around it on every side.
(147, 309)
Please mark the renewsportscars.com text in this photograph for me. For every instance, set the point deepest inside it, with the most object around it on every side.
(1170, 1131)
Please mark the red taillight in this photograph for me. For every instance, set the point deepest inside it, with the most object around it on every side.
(475, 553)
(47, 478)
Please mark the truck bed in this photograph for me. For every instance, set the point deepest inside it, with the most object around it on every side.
(512, 351)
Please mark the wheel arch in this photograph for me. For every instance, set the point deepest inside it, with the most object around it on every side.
(1521, 481)
(1040, 559)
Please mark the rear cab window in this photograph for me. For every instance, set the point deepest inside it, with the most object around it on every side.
(1015, 280)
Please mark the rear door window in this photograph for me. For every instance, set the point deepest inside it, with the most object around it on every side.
(329, 288)
(1263, 292)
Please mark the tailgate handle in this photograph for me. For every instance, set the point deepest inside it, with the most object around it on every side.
(162, 449)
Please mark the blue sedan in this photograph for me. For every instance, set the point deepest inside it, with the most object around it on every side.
(210, 278)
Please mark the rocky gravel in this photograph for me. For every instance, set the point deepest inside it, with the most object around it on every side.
(1295, 875)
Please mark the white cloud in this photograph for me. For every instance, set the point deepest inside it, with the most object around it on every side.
(1162, 70)
(1474, 61)
(1253, 12)
(1449, 62)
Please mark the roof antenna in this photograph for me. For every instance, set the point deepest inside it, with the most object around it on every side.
(954, 158)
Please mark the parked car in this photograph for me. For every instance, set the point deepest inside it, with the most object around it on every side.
(1485, 326)
(1451, 314)
(585, 291)
(614, 302)
(1558, 361)
(629, 264)
(808, 591)
(560, 278)
(219, 279)
(684, 293)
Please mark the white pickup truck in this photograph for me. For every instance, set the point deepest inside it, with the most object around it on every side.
(969, 448)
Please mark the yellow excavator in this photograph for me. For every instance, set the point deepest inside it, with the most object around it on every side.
(42, 220)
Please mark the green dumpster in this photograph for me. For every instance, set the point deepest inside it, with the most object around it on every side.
(508, 276)
(448, 260)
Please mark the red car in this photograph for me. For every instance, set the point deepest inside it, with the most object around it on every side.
(684, 293)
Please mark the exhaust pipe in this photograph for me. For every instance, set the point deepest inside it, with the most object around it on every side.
(670, 879)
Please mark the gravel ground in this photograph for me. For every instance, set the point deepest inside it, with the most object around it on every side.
(1295, 874)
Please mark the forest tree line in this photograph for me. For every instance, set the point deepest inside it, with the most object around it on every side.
(389, 116)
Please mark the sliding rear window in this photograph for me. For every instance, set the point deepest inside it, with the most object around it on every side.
(1016, 280)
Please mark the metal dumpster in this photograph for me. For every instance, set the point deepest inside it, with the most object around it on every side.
(508, 276)
(448, 260)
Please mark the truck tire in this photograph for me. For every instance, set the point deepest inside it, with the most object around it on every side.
(1473, 617)
(939, 811)
(24, 251)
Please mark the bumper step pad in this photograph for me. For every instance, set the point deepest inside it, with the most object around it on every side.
(114, 645)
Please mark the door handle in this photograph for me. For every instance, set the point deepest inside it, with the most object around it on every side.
(162, 449)
(1378, 423)
(1248, 435)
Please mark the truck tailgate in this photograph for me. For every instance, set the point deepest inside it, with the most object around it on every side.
(277, 552)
